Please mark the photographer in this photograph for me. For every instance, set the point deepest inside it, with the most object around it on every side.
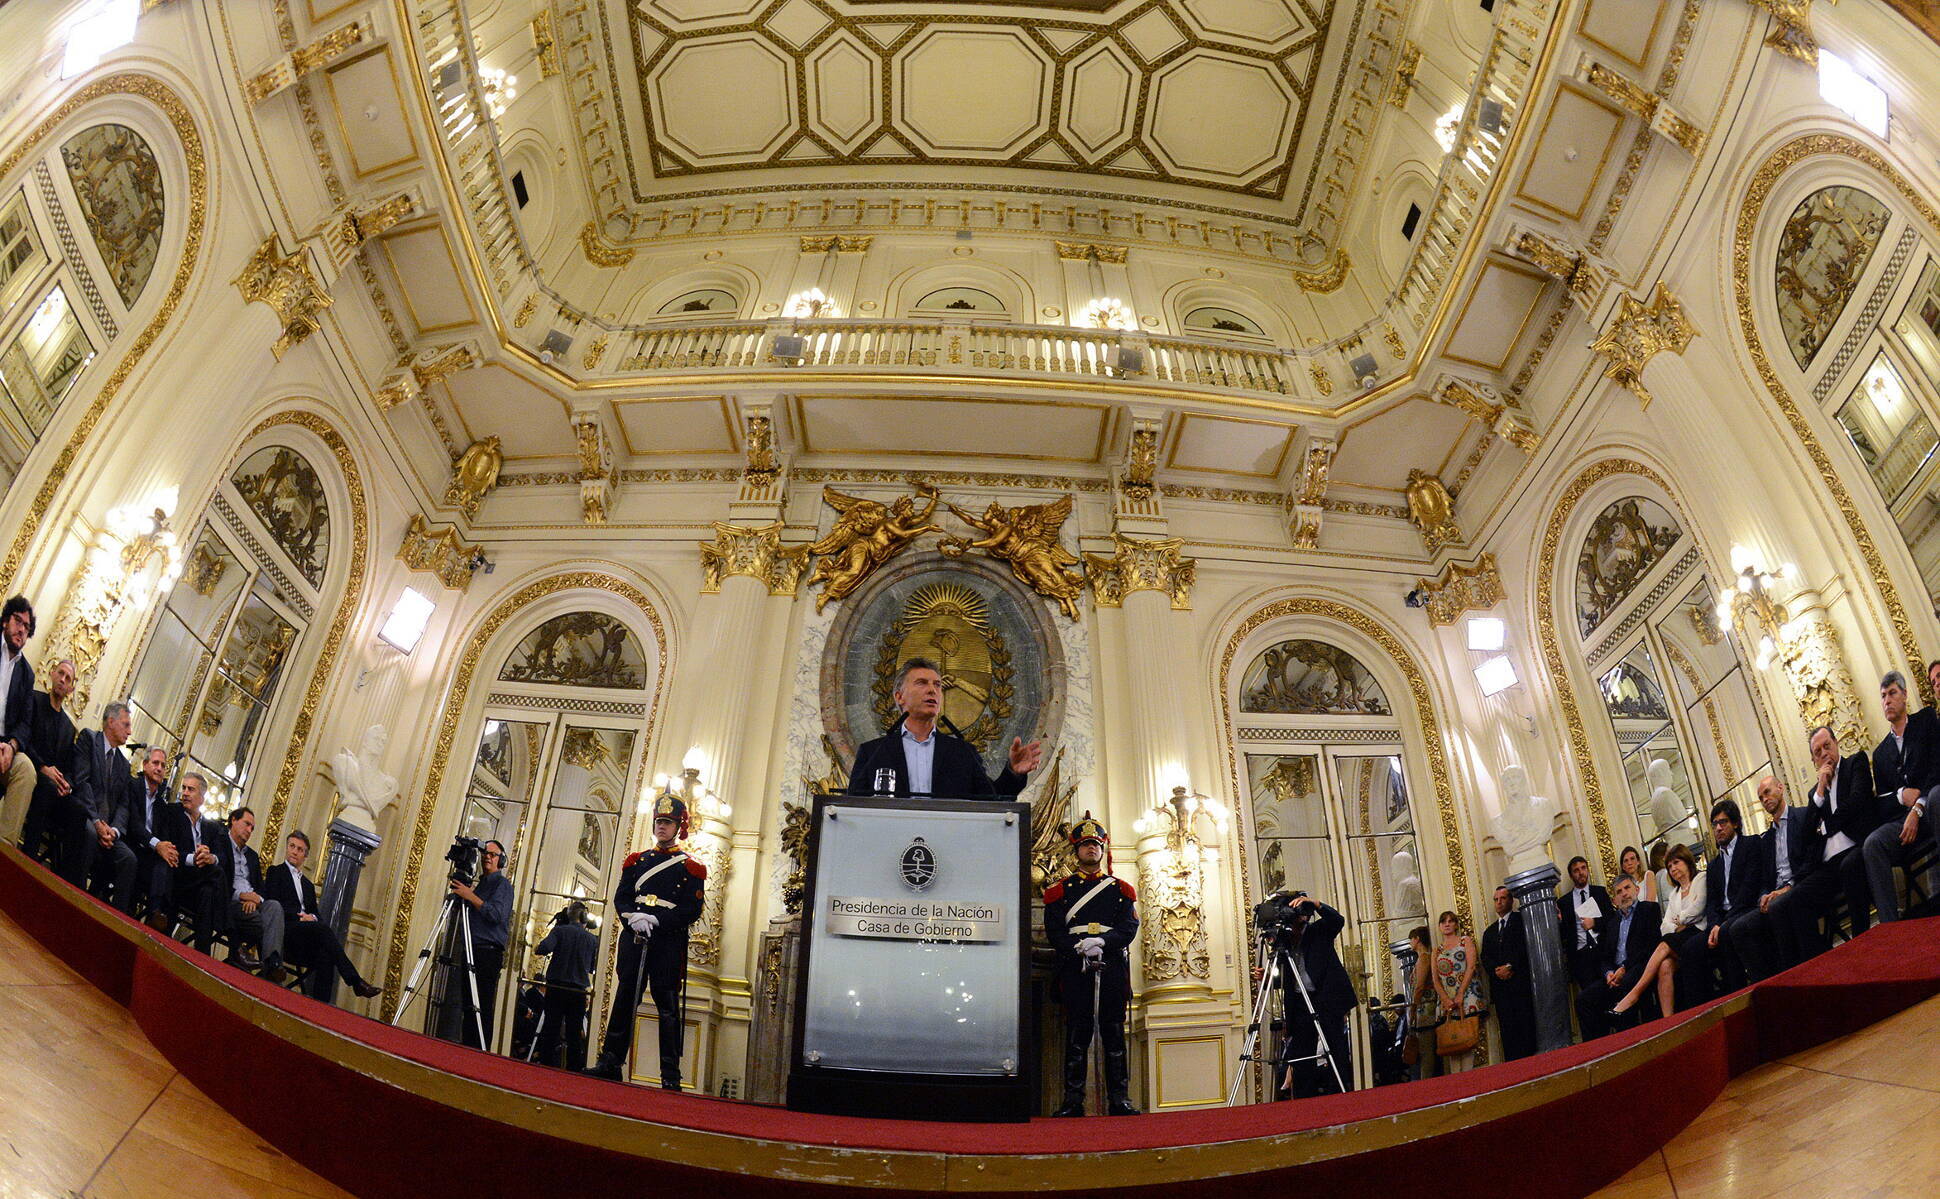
(659, 895)
(491, 921)
(1305, 928)
(573, 949)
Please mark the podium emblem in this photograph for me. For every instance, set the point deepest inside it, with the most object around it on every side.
(918, 865)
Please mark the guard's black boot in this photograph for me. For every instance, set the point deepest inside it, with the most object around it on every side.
(1074, 1082)
(607, 1066)
(1118, 1086)
(670, 1074)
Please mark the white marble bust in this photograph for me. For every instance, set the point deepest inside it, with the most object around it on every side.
(1665, 806)
(367, 791)
(1523, 826)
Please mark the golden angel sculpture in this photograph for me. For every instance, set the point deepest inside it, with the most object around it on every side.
(866, 535)
(1027, 538)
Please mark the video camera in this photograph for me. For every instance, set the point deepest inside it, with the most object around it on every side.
(464, 856)
(1281, 913)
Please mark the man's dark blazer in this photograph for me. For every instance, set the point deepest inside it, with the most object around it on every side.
(1861, 806)
(1320, 962)
(1804, 846)
(1504, 943)
(1646, 929)
(955, 773)
(297, 898)
(154, 815)
(175, 829)
(20, 693)
(105, 787)
(1747, 886)
(50, 736)
(1566, 918)
(1917, 766)
(225, 851)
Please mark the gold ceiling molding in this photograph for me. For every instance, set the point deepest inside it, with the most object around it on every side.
(1431, 510)
(475, 473)
(1141, 460)
(413, 373)
(1142, 564)
(1460, 589)
(333, 641)
(531, 593)
(1554, 574)
(1640, 332)
(1762, 181)
(1427, 723)
(1322, 281)
(1076, 251)
(545, 44)
(836, 243)
(283, 73)
(1639, 101)
(153, 90)
(1791, 29)
(598, 250)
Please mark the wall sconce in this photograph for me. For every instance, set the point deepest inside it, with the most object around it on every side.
(409, 618)
(1106, 312)
(1173, 883)
(117, 573)
(1756, 608)
(700, 799)
(812, 303)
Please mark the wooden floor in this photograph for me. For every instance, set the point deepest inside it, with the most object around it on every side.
(89, 1108)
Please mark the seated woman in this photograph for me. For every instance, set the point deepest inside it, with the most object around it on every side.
(1684, 935)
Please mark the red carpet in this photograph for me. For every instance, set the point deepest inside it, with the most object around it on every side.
(390, 1112)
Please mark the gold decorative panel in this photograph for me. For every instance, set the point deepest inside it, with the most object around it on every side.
(1823, 251)
(282, 489)
(119, 185)
(1625, 541)
(579, 649)
(1311, 678)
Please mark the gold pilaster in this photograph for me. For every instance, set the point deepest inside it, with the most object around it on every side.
(1791, 29)
(288, 284)
(1639, 333)
(753, 551)
(1142, 564)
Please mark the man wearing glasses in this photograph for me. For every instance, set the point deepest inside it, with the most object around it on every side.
(491, 905)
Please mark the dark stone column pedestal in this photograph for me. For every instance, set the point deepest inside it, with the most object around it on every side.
(1535, 893)
(350, 847)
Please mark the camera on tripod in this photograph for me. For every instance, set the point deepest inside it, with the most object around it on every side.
(464, 856)
(1280, 913)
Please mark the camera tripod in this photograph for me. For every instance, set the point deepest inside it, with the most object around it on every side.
(462, 931)
(1279, 957)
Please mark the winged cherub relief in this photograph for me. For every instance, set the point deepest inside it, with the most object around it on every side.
(1027, 538)
(866, 535)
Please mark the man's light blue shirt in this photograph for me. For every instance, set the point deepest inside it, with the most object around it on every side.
(920, 757)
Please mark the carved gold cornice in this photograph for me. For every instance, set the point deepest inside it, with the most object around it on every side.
(443, 553)
(1142, 461)
(413, 373)
(595, 467)
(1791, 29)
(763, 465)
(838, 243)
(1322, 281)
(286, 70)
(1405, 67)
(1639, 333)
(545, 44)
(288, 285)
(1460, 589)
(1431, 510)
(1142, 564)
(1635, 99)
(1560, 260)
(755, 552)
(1483, 402)
(598, 250)
(353, 229)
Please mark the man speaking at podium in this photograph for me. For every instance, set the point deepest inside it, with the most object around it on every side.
(916, 758)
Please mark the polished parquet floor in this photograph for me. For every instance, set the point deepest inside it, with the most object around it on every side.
(89, 1108)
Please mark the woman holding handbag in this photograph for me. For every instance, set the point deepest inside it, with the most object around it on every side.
(1424, 1008)
(1460, 995)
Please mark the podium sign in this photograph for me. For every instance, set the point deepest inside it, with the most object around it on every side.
(915, 960)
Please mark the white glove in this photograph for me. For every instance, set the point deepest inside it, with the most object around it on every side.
(642, 923)
(1092, 947)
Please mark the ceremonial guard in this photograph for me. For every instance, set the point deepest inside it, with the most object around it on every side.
(1091, 919)
(659, 896)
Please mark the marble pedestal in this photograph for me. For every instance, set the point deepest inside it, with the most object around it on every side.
(350, 847)
(1535, 894)
(771, 1031)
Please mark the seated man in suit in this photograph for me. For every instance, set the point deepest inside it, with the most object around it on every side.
(1906, 779)
(251, 917)
(1576, 929)
(198, 888)
(1740, 940)
(107, 789)
(922, 760)
(57, 821)
(1623, 947)
(1792, 852)
(1844, 811)
(155, 855)
(308, 941)
(17, 767)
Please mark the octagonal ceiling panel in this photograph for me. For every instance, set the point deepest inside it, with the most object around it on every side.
(843, 91)
(971, 91)
(1272, 23)
(1220, 116)
(725, 98)
(701, 12)
(1098, 99)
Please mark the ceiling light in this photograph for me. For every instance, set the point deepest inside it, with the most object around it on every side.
(1842, 86)
(110, 26)
(1495, 675)
(1487, 632)
(409, 617)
